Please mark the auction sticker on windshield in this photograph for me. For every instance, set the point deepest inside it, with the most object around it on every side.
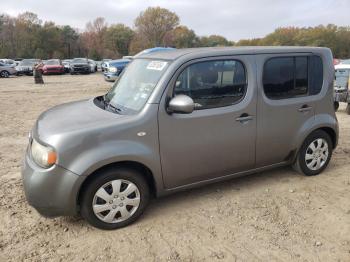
(157, 65)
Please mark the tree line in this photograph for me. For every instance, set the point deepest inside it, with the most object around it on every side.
(27, 36)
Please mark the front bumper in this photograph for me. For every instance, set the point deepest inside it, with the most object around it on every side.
(110, 76)
(53, 71)
(52, 192)
(80, 70)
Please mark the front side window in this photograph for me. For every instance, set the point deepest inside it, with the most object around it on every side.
(288, 77)
(213, 84)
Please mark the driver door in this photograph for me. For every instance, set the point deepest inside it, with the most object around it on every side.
(218, 137)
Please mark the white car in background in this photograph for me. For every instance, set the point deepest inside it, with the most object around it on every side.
(6, 70)
(342, 86)
(105, 64)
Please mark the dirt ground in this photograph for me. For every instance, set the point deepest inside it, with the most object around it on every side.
(277, 215)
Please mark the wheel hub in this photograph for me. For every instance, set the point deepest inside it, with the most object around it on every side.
(316, 154)
(116, 201)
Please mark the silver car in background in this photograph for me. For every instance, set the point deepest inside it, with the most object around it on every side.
(7, 70)
(180, 119)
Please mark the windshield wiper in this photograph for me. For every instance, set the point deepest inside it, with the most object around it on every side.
(107, 105)
(116, 109)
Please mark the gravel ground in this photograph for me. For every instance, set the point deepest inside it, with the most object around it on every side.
(277, 215)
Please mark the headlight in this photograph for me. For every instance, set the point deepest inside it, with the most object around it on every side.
(44, 156)
(113, 69)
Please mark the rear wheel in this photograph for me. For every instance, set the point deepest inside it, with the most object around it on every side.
(114, 198)
(315, 154)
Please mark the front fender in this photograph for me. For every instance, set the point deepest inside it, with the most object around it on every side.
(90, 160)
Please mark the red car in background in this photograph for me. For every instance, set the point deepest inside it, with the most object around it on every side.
(53, 66)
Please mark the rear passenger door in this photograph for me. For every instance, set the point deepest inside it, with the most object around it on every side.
(286, 103)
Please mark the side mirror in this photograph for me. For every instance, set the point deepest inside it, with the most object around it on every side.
(181, 104)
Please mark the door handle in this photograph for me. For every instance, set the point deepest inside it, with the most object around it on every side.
(244, 118)
(305, 108)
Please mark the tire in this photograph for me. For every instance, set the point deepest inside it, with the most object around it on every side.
(348, 109)
(322, 156)
(4, 74)
(336, 106)
(117, 203)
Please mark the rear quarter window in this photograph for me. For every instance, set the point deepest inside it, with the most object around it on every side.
(295, 76)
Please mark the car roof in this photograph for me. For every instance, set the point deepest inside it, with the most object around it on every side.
(173, 54)
(342, 66)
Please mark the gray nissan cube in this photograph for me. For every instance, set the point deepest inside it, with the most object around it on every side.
(179, 119)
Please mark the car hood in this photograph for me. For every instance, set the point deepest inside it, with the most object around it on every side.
(79, 64)
(72, 119)
(24, 66)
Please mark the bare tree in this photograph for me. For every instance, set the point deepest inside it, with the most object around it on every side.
(154, 23)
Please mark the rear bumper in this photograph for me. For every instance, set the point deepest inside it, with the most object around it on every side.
(52, 192)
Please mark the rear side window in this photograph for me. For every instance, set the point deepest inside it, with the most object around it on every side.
(288, 77)
(316, 74)
(213, 84)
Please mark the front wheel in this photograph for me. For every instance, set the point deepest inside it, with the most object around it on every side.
(4, 74)
(114, 198)
(314, 154)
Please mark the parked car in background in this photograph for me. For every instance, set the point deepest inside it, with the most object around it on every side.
(345, 62)
(180, 119)
(93, 66)
(99, 63)
(80, 66)
(8, 62)
(342, 86)
(53, 66)
(104, 64)
(115, 68)
(6, 70)
(25, 67)
(66, 64)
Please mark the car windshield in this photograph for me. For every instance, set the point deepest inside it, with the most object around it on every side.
(342, 77)
(135, 85)
(52, 62)
(79, 60)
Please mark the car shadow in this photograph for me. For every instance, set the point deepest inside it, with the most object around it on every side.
(249, 182)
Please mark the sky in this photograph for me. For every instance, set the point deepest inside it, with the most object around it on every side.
(233, 19)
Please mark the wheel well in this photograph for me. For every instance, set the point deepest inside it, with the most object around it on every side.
(331, 134)
(126, 164)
